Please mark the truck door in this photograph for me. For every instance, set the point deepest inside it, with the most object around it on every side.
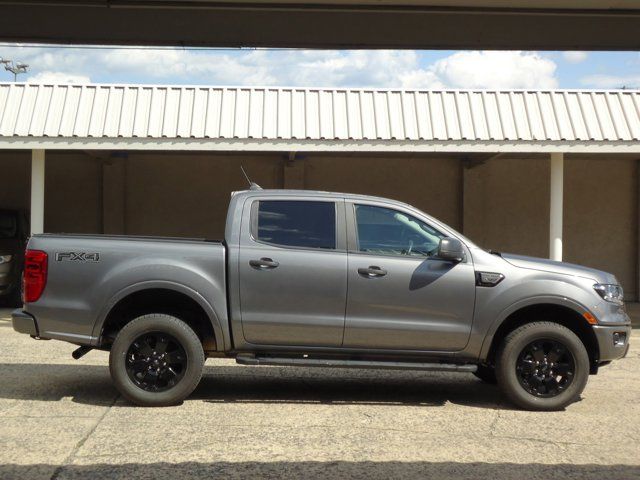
(293, 271)
(401, 297)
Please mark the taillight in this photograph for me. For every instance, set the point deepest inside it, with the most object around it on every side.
(34, 278)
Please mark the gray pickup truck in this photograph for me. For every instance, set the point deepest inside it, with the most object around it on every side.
(309, 278)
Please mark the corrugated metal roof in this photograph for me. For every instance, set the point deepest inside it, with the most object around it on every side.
(157, 112)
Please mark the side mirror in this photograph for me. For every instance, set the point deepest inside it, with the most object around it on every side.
(450, 249)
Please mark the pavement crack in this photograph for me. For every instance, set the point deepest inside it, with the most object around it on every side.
(81, 442)
(494, 423)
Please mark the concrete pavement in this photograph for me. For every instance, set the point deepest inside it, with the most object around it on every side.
(62, 419)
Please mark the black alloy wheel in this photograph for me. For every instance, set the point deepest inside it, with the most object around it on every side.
(542, 366)
(156, 362)
(545, 368)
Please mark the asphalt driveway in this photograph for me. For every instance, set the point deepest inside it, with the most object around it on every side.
(61, 418)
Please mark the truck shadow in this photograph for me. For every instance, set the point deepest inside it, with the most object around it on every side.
(91, 384)
(345, 387)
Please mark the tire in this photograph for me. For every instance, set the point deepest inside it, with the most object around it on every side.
(487, 374)
(530, 385)
(175, 368)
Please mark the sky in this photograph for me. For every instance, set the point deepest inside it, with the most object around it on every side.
(326, 68)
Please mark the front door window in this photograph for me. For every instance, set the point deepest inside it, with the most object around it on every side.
(384, 231)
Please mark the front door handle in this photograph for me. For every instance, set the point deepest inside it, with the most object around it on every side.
(372, 272)
(264, 263)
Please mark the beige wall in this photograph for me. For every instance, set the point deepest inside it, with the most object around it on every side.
(506, 208)
(601, 216)
(73, 193)
(168, 194)
(506, 200)
(188, 195)
(72, 189)
(506, 205)
(432, 184)
(15, 175)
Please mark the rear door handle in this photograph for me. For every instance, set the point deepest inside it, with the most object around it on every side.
(264, 263)
(372, 272)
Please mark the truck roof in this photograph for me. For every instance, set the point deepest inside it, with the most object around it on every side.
(316, 193)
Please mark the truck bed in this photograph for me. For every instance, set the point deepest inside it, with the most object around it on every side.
(89, 274)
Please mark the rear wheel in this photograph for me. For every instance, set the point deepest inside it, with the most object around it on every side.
(542, 366)
(156, 360)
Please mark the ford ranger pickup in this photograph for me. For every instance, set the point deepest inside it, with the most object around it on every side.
(305, 278)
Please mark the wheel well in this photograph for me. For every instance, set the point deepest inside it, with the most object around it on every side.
(564, 316)
(158, 300)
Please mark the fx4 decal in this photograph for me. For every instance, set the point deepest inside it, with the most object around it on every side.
(77, 257)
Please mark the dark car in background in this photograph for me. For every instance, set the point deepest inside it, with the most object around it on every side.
(14, 232)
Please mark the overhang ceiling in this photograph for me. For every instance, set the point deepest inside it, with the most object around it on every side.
(428, 24)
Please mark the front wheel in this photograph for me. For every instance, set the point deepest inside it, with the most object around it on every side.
(542, 366)
(156, 360)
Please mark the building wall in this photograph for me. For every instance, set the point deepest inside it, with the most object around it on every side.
(15, 175)
(192, 191)
(432, 184)
(73, 198)
(601, 216)
(506, 200)
(73, 193)
(506, 205)
(506, 208)
(188, 194)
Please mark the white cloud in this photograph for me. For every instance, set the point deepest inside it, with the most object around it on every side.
(244, 68)
(380, 68)
(489, 69)
(421, 79)
(58, 77)
(575, 56)
(263, 67)
(611, 81)
(315, 68)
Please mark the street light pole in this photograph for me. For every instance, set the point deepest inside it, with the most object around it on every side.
(15, 68)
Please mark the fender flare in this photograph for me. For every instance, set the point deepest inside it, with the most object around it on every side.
(166, 285)
(527, 302)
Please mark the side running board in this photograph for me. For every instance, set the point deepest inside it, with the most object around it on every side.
(248, 359)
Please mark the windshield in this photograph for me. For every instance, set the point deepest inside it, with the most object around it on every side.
(8, 225)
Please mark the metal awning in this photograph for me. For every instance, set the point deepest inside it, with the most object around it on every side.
(140, 117)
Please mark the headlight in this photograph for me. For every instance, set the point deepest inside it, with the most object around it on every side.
(5, 258)
(611, 293)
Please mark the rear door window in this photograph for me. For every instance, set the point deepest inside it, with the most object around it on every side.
(292, 223)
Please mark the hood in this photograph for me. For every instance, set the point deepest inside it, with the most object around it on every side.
(562, 268)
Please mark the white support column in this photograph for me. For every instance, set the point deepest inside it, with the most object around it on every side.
(37, 191)
(556, 209)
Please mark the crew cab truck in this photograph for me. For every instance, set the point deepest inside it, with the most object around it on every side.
(308, 278)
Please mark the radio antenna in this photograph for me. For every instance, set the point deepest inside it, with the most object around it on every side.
(252, 185)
